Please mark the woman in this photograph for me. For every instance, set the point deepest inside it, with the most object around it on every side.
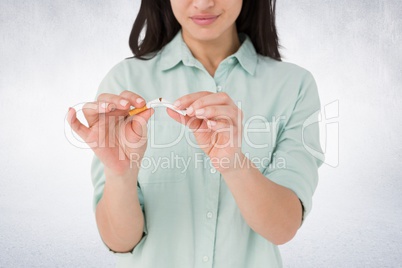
(226, 183)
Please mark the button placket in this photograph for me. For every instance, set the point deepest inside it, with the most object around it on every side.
(212, 202)
(220, 77)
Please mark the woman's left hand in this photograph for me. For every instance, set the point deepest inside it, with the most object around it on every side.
(216, 122)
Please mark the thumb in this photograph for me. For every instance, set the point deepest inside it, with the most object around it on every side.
(139, 122)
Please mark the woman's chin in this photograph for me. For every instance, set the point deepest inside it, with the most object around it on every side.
(204, 34)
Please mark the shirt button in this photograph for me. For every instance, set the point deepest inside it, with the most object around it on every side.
(213, 170)
(218, 88)
(205, 258)
(209, 215)
(231, 61)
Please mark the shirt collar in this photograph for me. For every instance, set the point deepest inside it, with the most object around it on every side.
(177, 51)
(246, 54)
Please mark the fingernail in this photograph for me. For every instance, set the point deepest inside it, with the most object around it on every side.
(177, 103)
(104, 105)
(189, 110)
(199, 111)
(211, 123)
(123, 102)
(138, 100)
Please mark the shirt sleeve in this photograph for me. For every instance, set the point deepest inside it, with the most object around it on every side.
(112, 83)
(294, 162)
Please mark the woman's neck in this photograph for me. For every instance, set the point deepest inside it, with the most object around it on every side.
(210, 53)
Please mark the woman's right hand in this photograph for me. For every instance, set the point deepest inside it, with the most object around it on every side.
(118, 140)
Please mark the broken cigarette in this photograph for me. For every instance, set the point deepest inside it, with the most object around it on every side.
(159, 102)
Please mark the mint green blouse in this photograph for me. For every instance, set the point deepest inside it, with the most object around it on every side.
(191, 217)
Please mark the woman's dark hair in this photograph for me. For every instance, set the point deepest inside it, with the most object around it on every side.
(256, 19)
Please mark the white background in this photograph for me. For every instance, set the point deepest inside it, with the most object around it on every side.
(53, 54)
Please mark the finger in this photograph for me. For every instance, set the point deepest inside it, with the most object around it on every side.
(135, 129)
(113, 102)
(221, 98)
(219, 124)
(219, 112)
(192, 122)
(139, 121)
(76, 125)
(135, 100)
(186, 100)
(92, 110)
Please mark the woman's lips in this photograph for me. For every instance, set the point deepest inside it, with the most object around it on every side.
(204, 20)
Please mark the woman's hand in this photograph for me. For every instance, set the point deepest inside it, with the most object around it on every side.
(216, 122)
(117, 140)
